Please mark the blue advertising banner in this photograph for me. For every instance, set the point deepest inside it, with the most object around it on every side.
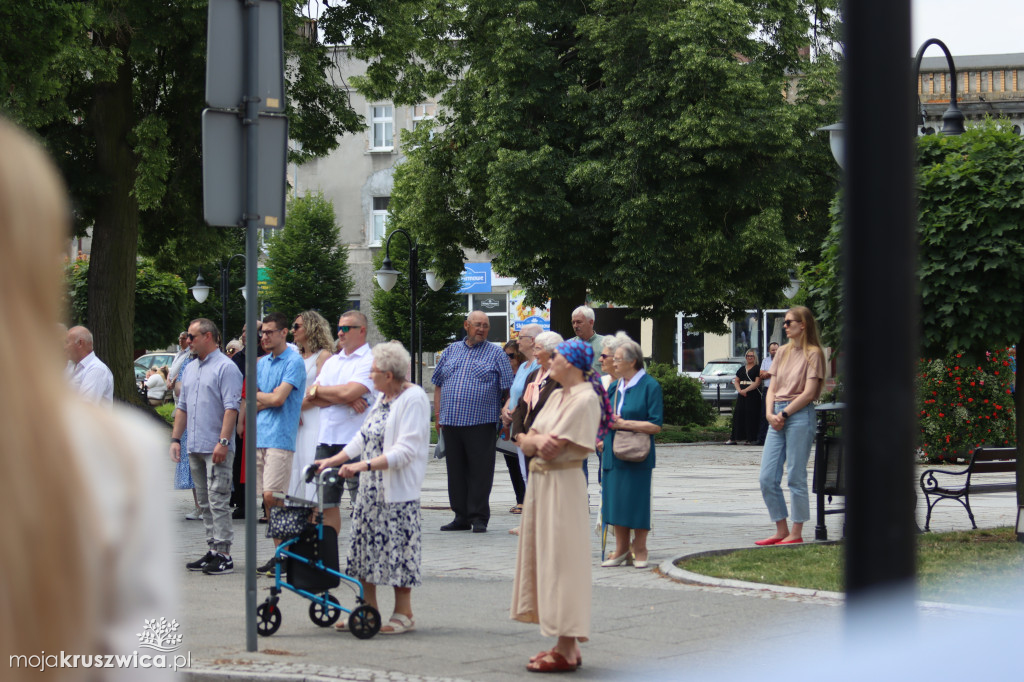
(476, 278)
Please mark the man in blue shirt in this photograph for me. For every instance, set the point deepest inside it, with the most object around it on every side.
(280, 386)
(468, 383)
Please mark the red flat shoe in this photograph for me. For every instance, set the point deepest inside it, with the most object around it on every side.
(556, 664)
(768, 541)
(791, 542)
(579, 657)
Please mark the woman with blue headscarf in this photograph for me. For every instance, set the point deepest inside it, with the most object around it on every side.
(552, 584)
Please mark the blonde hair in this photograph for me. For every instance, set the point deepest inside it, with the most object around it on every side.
(47, 588)
(810, 341)
(318, 332)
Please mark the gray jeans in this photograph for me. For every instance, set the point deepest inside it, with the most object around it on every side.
(213, 490)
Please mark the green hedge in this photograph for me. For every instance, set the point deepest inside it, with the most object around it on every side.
(683, 402)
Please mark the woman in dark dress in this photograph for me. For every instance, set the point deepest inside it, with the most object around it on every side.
(746, 417)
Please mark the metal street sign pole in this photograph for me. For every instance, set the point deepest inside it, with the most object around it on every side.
(880, 254)
(245, 137)
(250, 124)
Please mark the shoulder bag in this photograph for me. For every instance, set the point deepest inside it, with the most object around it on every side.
(630, 446)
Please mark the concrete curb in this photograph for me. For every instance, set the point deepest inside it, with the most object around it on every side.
(669, 569)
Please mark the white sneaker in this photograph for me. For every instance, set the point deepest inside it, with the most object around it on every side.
(195, 515)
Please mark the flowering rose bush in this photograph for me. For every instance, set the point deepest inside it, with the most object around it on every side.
(964, 404)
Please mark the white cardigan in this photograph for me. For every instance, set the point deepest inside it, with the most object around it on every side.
(406, 445)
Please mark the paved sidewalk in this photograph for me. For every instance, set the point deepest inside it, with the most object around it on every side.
(705, 498)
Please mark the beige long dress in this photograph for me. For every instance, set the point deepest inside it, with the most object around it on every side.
(552, 584)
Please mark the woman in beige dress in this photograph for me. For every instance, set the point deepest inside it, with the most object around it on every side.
(552, 583)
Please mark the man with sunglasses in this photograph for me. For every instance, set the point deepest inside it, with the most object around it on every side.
(211, 388)
(342, 390)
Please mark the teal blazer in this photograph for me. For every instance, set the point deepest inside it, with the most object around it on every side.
(643, 402)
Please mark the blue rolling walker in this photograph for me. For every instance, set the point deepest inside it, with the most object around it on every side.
(310, 552)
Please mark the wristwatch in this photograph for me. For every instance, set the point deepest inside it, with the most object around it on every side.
(176, 440)
(369, 467)
(785, 415)
(312, 391)
(225, 442)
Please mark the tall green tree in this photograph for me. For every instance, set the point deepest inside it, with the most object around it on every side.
(116, 88)
(160, 298)
(610, 147)
(308, 266)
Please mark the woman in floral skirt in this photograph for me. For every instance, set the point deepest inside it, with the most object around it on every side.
(390, 452)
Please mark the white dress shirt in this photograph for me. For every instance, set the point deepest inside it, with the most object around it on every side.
(340, 423)
(93, 380)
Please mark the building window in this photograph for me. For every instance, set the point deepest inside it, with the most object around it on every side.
(382, 122)
(379, 220)
(422, 112)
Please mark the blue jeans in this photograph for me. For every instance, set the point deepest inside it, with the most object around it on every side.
(790, 447)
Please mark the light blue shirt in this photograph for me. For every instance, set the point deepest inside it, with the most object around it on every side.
(519, 383)
(209, 388)
(276, 427)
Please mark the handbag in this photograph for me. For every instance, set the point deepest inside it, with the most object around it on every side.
(439, 448)
(631, 446)
(287, 522)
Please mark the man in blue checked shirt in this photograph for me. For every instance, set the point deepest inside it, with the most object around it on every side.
(468, 382)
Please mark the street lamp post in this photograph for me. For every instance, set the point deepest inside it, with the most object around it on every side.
(201, 290)
(387, 277)
(953, 118)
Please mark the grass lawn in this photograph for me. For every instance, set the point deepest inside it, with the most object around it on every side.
(951, 567)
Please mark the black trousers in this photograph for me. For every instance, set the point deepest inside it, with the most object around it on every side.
(469, 454)
(516, 476)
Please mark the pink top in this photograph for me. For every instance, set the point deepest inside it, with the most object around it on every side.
(791, 369)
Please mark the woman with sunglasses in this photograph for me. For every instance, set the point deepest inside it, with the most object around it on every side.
(312, 334)
(516, 463)
(796, 379)
(746, 416)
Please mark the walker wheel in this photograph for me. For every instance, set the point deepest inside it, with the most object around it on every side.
(364, 621)
(325, 616)
(268, 619)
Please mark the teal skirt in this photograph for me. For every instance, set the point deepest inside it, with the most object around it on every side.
(626, 497)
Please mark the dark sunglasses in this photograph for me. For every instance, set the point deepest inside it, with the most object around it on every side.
(604, 356)
(193, 337)
(346, 328)
(296, 326)
(786, 323)
(511, 355)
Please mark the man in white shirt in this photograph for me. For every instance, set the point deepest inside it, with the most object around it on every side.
(343, 390)
(89, 376)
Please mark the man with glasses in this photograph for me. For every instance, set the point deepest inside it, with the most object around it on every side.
(583, 325)
(343, 391)
(280, 386)
(468, 383)
(211, 388)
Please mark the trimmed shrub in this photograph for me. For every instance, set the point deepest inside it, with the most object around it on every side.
(681, 394)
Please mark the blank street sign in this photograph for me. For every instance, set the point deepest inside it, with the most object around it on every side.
(224, 168)
(225, 51)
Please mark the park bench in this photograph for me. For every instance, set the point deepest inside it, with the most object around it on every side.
(942, 484)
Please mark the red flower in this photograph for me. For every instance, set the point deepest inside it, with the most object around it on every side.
(941, 414)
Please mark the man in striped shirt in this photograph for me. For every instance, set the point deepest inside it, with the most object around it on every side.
(468, 383)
